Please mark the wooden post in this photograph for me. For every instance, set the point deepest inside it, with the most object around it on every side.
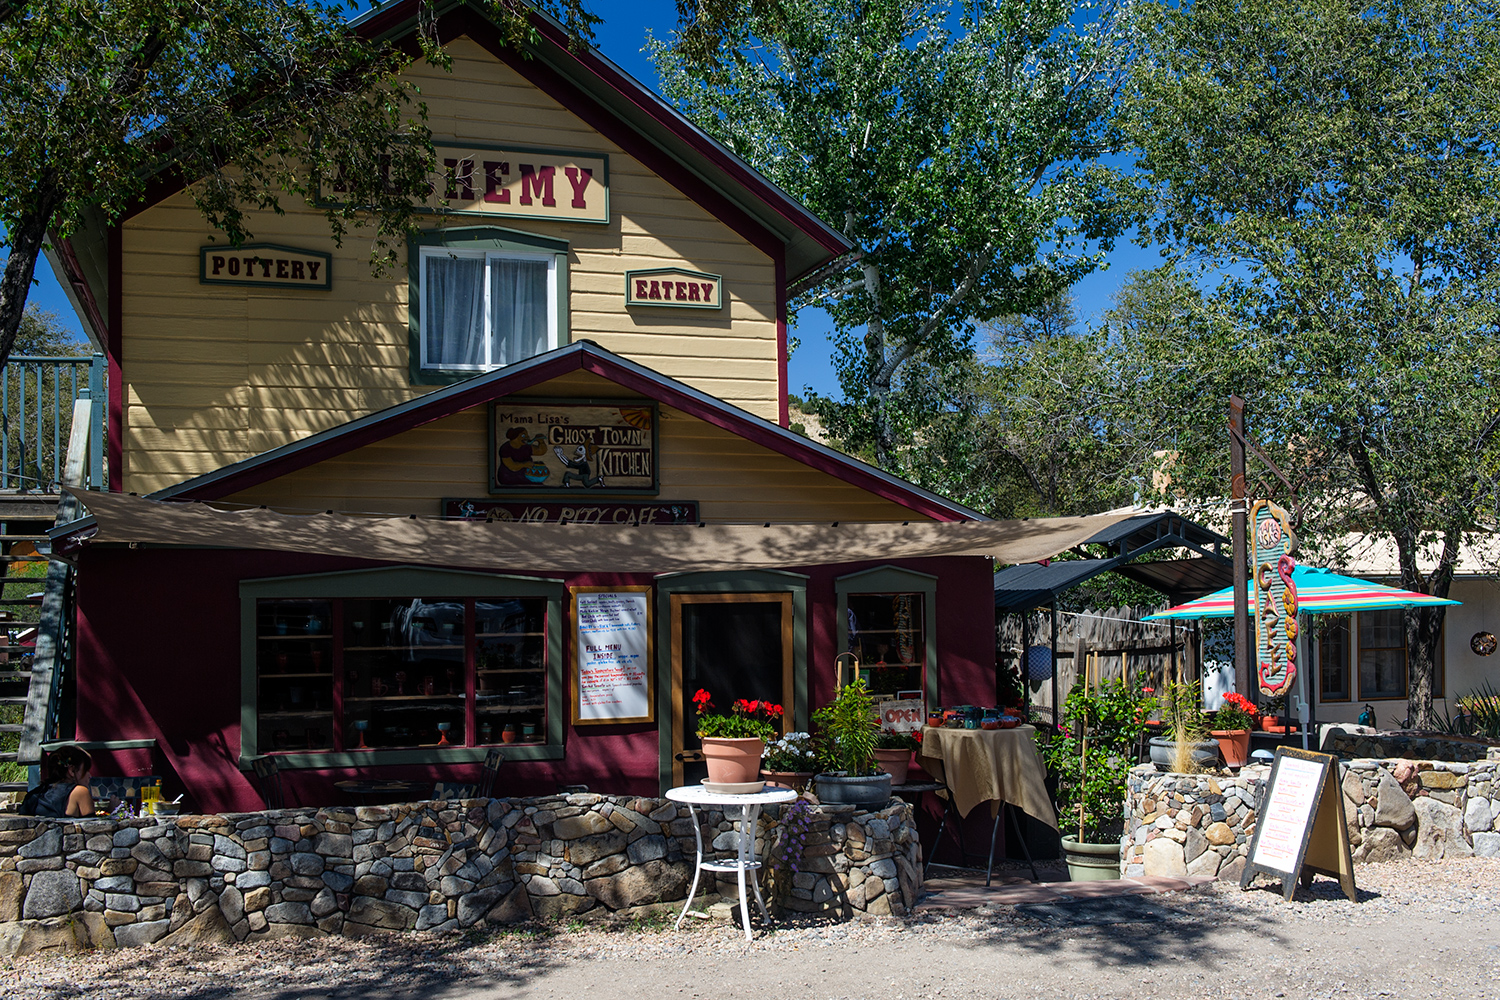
(1237, 530)
(1026, 662)
(1056, 705)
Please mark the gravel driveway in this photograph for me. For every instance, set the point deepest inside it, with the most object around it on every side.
(1428, 930)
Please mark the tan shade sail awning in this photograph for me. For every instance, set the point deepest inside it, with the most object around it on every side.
(566, 548)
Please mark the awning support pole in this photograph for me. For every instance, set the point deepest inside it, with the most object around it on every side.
(1056, 705)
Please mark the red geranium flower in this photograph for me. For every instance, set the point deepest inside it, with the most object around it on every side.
(702, 698)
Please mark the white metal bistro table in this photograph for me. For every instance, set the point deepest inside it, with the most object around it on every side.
(749, 806)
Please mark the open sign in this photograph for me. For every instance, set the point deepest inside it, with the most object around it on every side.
(902, 716)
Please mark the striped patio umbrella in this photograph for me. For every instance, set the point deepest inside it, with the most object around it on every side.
(1319, 591)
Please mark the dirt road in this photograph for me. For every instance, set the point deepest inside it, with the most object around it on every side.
(1419, 931)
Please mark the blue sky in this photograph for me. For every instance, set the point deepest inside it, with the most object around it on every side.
(621, 37)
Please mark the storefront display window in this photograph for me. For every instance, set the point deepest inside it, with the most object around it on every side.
(375, 671)
(886, 632)
(405, 676)
(885, 618)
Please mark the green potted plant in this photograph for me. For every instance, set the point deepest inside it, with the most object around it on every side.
(846, 735)
(1091, 757)
(1185, 746)
(790, 762)
(1271, 719)
(893, 754)
(734, 740)
(1231, 727)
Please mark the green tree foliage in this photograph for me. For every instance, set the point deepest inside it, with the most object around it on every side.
(44, 334)
(1092, 754)
(251, 101)
(1337, 161)
(956, 146)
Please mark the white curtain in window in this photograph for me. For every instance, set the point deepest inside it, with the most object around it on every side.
(453, 311)
(518, 309)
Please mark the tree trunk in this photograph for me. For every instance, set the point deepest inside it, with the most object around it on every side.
(26, 239)
(1424, 635)
(1424, 626)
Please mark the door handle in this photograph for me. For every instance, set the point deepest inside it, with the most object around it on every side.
(688, 756)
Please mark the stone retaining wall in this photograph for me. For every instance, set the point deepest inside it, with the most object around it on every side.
(432, 866)
(1359, 742)
(1202, 825)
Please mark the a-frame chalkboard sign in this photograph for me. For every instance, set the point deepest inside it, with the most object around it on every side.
(1300, 830)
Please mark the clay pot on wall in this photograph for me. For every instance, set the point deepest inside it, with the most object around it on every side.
(895, 763)
(1234, 746)
(732, 761)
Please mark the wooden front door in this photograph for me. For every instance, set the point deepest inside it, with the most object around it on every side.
(734, 646)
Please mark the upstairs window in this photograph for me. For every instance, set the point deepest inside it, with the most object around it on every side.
(483, 299)
(485, 310)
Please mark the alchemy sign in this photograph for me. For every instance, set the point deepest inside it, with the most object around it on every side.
(1275, 597)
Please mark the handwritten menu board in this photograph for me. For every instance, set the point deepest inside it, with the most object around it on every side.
(612, 651)
(1300, 830)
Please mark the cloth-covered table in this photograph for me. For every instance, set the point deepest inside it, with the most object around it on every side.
(989, 765)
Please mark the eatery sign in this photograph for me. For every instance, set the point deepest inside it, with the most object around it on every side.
(675, 287)
(266, 265)
(581, 447)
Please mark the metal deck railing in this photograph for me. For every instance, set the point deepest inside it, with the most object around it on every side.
(36, 415)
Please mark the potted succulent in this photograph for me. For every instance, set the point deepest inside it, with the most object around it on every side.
(790, 762)
(846, 736)
(1186, 747)
(1231, 727)
(1091, 757)
(734, 740)
(893, 754)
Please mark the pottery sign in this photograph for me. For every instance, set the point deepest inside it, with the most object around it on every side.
(265, 265)
(1275, 597)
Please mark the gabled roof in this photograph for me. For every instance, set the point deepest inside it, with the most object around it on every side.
(621, 108)
(808, 240)
(1031, 585)
(583, 356)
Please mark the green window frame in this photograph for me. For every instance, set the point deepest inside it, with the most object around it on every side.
(398, 582)
(477, 240)
(894, 580)
(768, 581)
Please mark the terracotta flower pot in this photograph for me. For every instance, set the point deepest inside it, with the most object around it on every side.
(732, 761)
(797, 781)
(1234, 746)
(895, 763)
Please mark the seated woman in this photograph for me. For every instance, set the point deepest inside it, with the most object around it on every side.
(65, 791)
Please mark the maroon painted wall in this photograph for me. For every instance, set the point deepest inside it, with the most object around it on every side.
(159, 658)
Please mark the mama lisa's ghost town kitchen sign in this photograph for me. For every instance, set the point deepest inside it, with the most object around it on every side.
(674, 286)
(510, 181)
(265, 264)
(555, 446)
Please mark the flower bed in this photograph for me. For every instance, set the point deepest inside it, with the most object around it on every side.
(1194, 824)
(429, 866)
